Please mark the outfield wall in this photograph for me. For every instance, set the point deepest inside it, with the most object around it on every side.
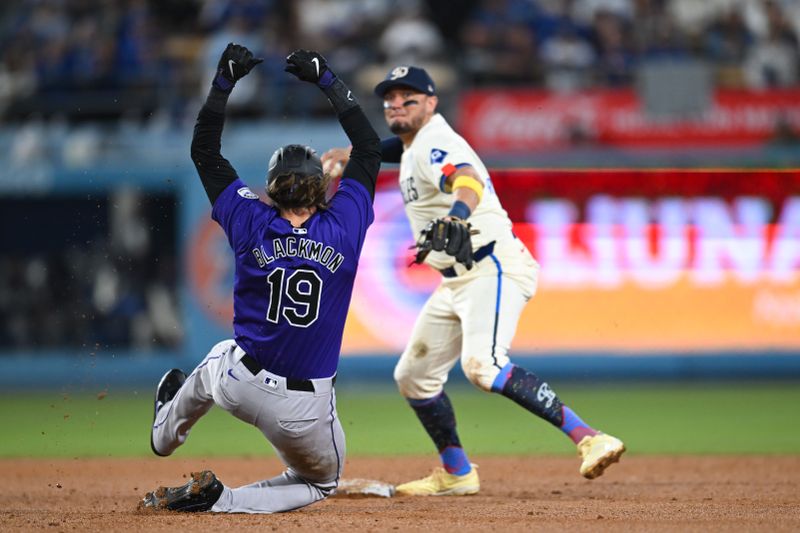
(70, 372)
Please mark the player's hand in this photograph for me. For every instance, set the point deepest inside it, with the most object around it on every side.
(334, 161)
(310, 66)
(234, 64)
(449, 234)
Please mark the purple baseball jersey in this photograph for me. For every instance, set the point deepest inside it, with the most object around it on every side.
(292, 286)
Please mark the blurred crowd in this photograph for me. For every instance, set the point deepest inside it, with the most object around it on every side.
(100, 59)
(90, 273)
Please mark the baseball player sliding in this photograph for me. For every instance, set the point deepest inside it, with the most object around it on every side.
(488, 276)
(296, 259)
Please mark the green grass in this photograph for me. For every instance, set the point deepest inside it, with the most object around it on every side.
(652, 419)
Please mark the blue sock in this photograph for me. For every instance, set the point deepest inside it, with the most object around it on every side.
(535, 395)
(575, 428)
(455, 460)
(439, 420)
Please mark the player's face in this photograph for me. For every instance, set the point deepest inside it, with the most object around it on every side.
(407, 110)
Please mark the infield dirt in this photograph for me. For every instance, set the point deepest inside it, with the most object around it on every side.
(742, 493)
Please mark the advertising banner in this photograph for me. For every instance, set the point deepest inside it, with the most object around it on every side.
(525, 120)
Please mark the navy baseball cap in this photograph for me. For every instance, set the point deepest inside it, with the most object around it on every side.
(405, 76)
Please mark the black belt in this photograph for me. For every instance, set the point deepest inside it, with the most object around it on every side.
(481, 253)
(292, 384)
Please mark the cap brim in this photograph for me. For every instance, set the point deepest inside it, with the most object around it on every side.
(385, 85)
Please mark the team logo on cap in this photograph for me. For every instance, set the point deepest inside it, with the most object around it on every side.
(398, 72)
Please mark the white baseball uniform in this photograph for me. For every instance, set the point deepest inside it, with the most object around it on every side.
(473, 314)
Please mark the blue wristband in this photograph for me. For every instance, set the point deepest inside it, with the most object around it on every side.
(222, 83)
(326, 80)
(460, 210)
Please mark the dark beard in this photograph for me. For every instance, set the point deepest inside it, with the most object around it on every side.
(399, 129)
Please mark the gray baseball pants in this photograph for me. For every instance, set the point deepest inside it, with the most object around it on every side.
(302, 427)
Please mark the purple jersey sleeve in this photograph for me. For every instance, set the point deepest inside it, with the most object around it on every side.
(236, 210)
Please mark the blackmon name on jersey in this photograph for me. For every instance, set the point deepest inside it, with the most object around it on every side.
(303, 248)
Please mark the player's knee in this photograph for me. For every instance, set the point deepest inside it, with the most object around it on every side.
(414, 385)
(480, 374)
(157, 446)
(403, 378)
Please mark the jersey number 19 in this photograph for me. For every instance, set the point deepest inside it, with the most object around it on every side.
(296, 297)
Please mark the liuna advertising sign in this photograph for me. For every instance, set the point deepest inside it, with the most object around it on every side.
(631, 262)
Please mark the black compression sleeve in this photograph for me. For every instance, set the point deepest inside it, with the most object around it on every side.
(340, 96)
(391, 150)
(365, 159)
(216, 173)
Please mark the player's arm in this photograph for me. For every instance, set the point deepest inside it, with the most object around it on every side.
(216, 173)
(452, 233)
(467, 187)
(391, 152)
(365, 156)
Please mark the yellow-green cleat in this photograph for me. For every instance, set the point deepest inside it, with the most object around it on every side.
(598, 453)
(441, 483)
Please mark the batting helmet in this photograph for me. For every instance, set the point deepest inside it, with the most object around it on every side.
(295, 177)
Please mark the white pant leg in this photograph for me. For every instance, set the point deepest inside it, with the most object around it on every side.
(489, 308)
(264, 497)
(284, 478)
(176, 417)
(432, 350)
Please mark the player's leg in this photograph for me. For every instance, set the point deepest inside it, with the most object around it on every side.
(421, 373)
(176, 417)
(488, 332)
(305, 431)
(490, 308)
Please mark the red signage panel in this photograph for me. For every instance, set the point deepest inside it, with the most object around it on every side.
(524, 120)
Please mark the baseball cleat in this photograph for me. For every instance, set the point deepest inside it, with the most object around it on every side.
(199, 494)
(598, 453)
(441, 483)
(165, 391)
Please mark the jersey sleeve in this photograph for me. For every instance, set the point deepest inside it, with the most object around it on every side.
(351, 208)
(235, 211)
(441, 158)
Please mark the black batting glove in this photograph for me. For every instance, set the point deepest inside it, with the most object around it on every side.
(234, 64)
(310, 66)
